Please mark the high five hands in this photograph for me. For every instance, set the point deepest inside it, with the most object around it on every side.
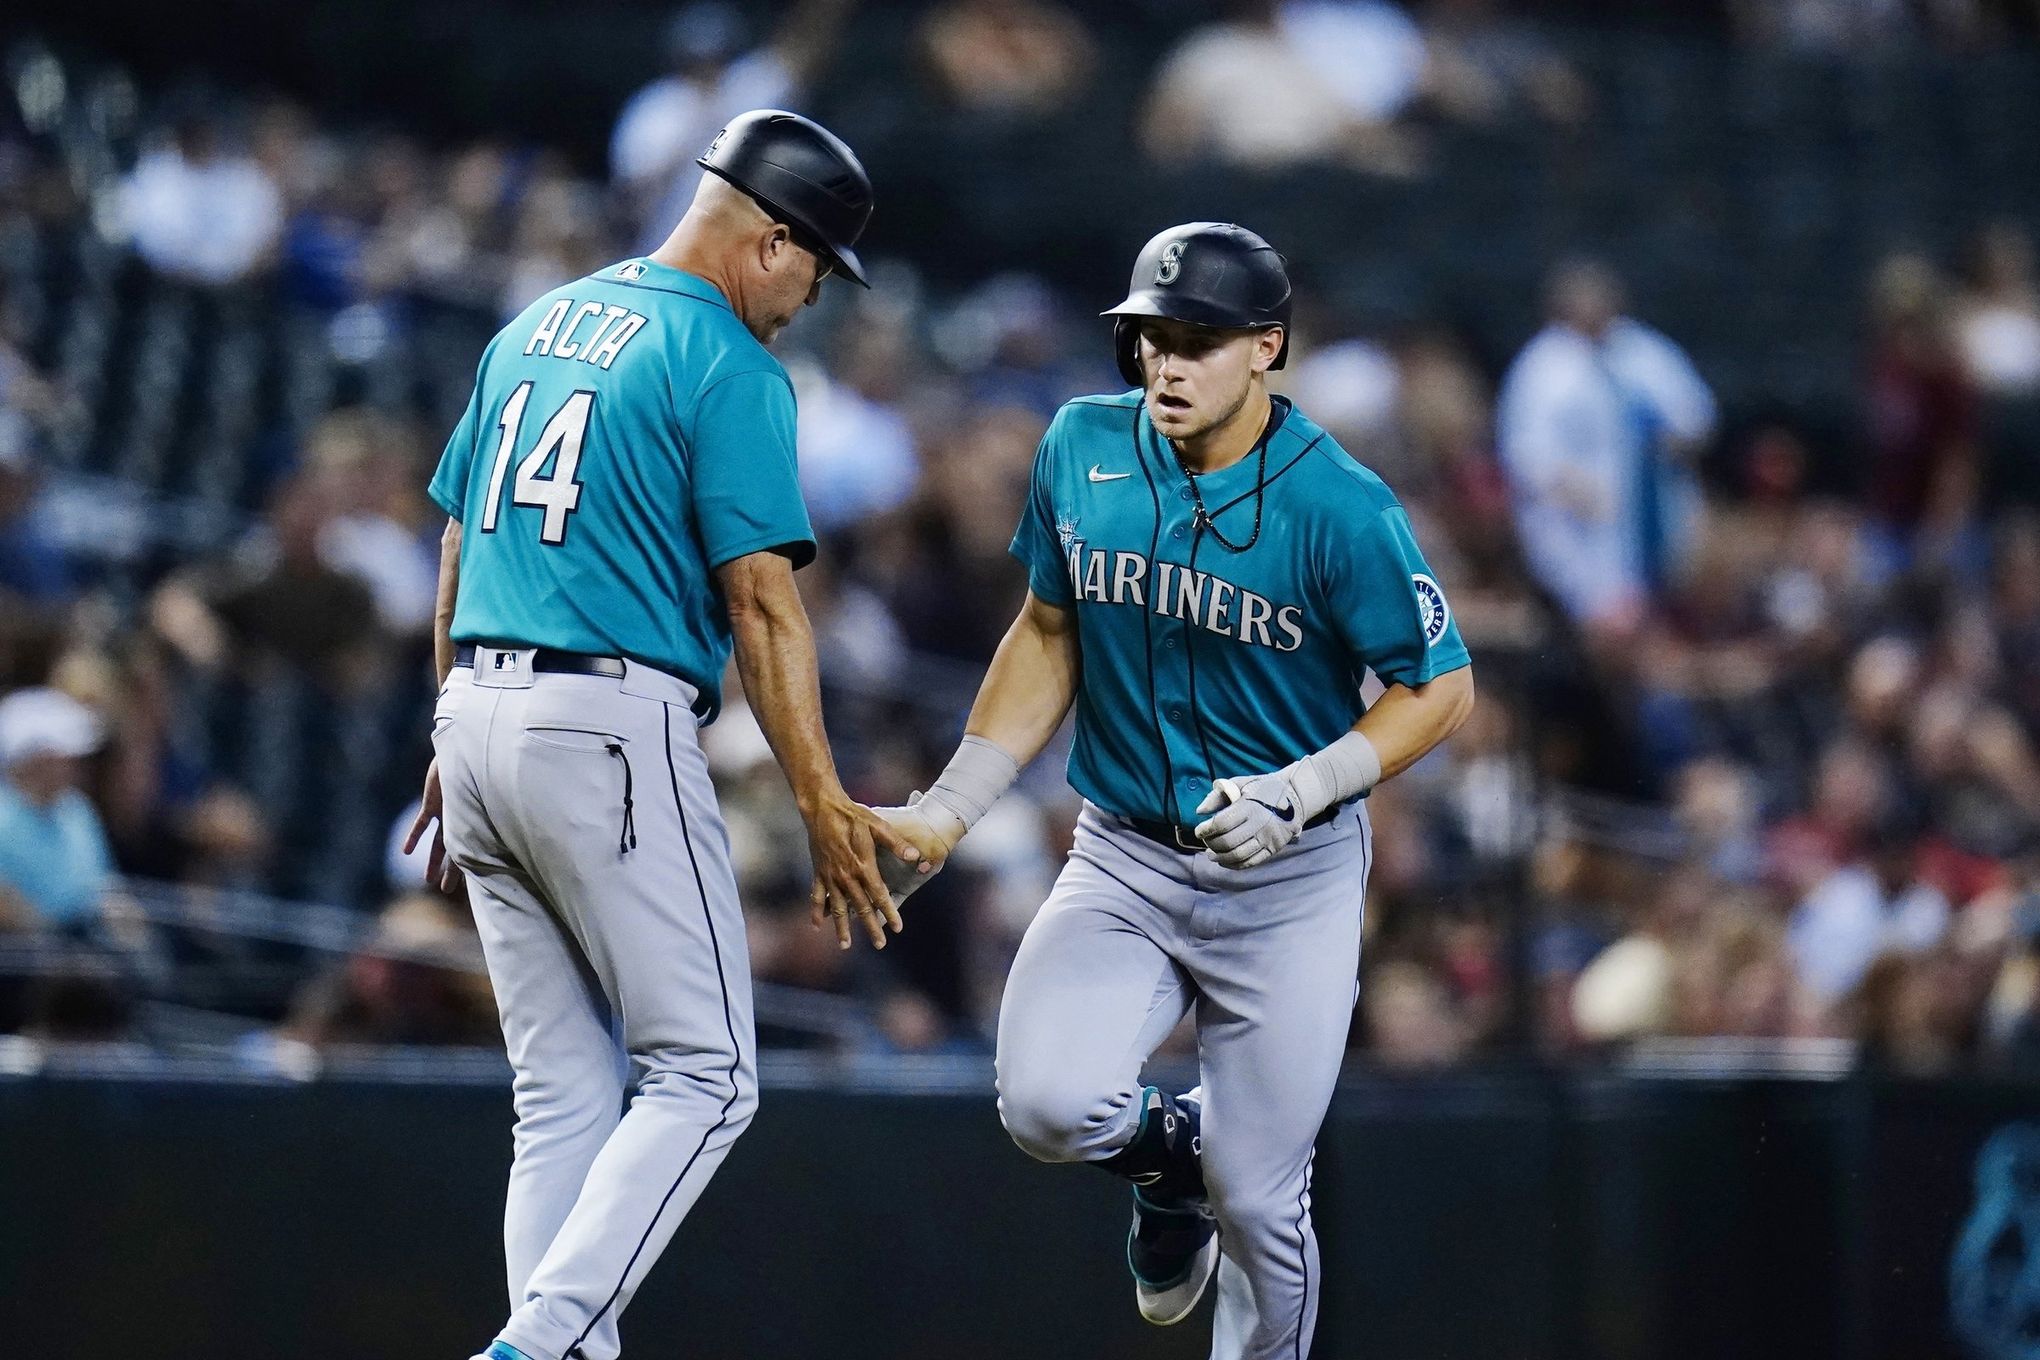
(934, 842)
(884, 855)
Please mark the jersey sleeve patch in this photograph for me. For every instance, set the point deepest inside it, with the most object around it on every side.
(1386, 603)
(1431, 603)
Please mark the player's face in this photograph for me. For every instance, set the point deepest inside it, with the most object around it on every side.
(1199, 377)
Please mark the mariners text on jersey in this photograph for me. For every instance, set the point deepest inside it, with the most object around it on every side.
(1204, 598)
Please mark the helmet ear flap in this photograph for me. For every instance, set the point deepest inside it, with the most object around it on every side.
(1126, 348)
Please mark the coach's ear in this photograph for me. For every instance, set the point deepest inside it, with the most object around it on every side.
(776, 249)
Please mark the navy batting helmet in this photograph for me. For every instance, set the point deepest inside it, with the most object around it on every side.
(1208, 274)
(803, 174)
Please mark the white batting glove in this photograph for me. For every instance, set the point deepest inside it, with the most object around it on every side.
(1253, 820)
(902, 879)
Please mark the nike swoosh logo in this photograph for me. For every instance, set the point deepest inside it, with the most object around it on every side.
(1287, 812)
(1098, 476)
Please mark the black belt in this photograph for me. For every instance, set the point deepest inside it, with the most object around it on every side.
(1172, 837)
(551, 662)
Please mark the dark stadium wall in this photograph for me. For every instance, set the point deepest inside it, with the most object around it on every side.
(1505, 1216)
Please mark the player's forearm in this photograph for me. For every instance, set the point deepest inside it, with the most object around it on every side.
(442, 609)
(1405, 724)
(775, 650)
(1030, 686)
(1031, 683)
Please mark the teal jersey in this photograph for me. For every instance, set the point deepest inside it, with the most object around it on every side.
(627, 436)
(1199, 661)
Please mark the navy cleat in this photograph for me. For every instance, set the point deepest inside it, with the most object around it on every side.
(1173, 1253)
(1172, 1249)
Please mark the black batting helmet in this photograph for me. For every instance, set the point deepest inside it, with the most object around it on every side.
(803, 174)
(1208, 274)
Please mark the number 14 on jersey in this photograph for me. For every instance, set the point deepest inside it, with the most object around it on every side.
(558, 492)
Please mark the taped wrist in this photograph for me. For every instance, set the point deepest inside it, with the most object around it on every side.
(976, 775)
(1346, 769)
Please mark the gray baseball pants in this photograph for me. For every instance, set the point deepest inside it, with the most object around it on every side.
(581, 811)
(1134, 937)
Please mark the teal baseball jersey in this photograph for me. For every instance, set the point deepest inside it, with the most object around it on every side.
(627, 436)
(1201, 661)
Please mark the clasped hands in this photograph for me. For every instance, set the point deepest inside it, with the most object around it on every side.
(1248, 822)
(867, 861)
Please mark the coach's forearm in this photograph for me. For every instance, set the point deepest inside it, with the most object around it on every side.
(1031, 684)
(442, 609)
(1406, 723)
(775, 649)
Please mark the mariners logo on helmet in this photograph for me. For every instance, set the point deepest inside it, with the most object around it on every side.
(1236, 281)
(1171, 264)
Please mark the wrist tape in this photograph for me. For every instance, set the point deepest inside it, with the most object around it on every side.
(976, 775)
(1346, 769)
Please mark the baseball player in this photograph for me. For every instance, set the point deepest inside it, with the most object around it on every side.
(1210, 577)
(625, 511)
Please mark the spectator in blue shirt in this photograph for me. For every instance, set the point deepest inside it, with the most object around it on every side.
(55, 868)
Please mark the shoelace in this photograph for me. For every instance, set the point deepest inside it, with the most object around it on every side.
(626, 839)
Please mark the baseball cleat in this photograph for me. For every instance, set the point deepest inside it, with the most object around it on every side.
(502, 1350)
(1173, 1247)
(1173, 1253)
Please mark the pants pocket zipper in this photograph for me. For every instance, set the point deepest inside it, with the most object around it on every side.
(626, 839)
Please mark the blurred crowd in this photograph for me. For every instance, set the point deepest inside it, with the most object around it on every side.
(1755, 755)
(384, 221)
